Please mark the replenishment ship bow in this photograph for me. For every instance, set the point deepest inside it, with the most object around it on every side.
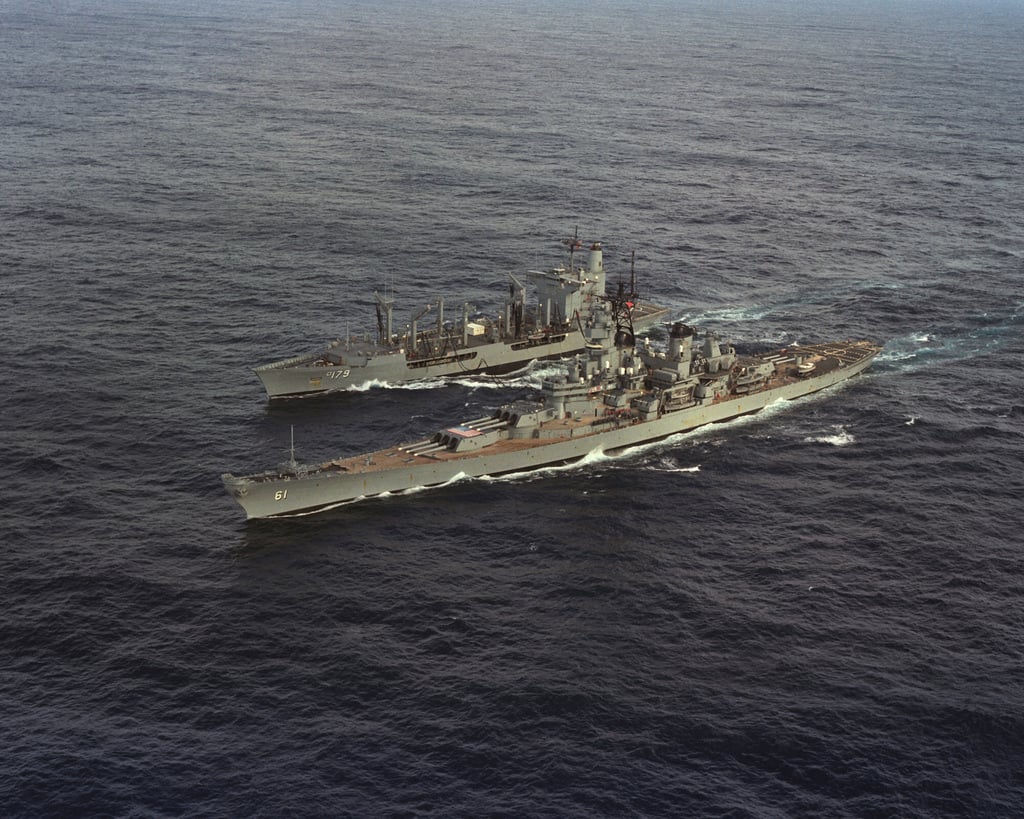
(613, 396)
(556, 324)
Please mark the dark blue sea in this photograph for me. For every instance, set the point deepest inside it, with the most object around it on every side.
(813, 612)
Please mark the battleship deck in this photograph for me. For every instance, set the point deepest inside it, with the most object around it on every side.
(826, 358)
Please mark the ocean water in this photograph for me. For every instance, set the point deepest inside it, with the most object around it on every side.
(812, 612)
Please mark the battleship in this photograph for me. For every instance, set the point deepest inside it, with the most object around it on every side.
(554, 325)
(615, 395)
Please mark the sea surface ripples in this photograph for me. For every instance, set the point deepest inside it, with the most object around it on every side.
(811, 612)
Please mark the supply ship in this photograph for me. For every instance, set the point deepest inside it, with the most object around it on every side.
(555, 324)
(614, 395)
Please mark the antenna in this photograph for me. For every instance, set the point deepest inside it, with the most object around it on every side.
(632, 274)
(292, 463)
(573, 244)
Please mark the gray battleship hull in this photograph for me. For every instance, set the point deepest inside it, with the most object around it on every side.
(276, 495)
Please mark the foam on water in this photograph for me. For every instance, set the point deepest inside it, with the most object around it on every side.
(841, 437)
(666, 466)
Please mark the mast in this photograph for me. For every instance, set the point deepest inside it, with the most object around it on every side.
(573, 244)
(516, 307)
(292, 465)
(622, 313)
(385, 329)
(632, 274)
(413, 341)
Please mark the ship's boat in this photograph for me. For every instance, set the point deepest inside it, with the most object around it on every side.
(613, 395)
(554, 324)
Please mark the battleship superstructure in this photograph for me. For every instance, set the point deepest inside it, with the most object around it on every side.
(614, 395)
(555, 324)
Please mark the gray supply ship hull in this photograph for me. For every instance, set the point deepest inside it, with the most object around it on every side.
(557, 323)
(363, 367)
(600, 406)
